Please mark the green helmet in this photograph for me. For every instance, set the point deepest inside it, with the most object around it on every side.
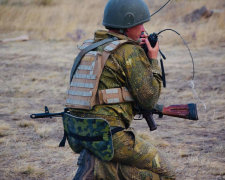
(123, 14)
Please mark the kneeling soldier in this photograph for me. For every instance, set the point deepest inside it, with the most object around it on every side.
(112, 76)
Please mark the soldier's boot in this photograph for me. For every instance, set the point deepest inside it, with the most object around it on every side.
(86, 163)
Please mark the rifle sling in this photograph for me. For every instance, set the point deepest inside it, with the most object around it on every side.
(86, 50)
(163, 73)
(63, 141)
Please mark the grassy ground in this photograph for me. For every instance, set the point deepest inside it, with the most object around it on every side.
(36, 73)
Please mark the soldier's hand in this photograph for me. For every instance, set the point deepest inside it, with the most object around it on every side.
(152, 52)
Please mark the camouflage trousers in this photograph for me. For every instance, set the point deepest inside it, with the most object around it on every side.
(134, 159)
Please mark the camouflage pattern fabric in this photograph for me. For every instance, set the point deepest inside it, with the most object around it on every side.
(134, 159)
(89, 133)
(129, 67)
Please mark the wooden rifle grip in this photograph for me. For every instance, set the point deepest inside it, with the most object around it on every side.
(150, 121)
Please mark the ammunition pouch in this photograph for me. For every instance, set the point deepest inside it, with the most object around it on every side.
(114, 95)
(93, 134)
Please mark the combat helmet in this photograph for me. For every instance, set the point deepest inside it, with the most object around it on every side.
(124, 14)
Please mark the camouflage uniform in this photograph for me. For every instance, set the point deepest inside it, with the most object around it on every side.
(134, 157)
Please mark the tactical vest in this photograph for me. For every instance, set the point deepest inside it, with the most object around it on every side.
(83, 91)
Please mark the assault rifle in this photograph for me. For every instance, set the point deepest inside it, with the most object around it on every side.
(186, 111)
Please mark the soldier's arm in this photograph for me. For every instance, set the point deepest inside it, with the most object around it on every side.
(142, 75)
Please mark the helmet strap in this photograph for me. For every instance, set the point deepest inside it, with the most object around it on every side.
(123, 31)
(120, 31)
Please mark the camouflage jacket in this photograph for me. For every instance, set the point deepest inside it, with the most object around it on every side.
(127, 66)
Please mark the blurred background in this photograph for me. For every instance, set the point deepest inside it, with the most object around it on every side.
(38, 43)
(200, 21)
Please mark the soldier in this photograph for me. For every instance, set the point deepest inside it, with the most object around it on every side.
(111, 80)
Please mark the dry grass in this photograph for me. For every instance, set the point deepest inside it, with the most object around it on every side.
(4, 129)
(35, 73)
(44, 2)
(51, 144)
(2, 140)
(81, 18)
(30, 171)
(26, 123)
(44, 130)
(156, 141)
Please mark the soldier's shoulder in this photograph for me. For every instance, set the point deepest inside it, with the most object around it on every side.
(130, 47)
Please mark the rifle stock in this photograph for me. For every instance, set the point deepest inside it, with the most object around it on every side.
(185, 111)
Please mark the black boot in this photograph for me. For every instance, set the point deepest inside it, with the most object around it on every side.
(86, 163)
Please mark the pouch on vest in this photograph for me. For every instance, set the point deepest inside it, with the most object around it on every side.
(83, 90)
(93, 134)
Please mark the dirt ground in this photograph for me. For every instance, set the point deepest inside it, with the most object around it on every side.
(36, 73)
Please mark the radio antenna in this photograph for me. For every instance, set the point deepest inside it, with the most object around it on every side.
(160, 8)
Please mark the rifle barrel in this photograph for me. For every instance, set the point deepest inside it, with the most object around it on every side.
(46, 115)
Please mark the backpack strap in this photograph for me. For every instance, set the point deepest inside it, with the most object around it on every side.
(86, 50)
